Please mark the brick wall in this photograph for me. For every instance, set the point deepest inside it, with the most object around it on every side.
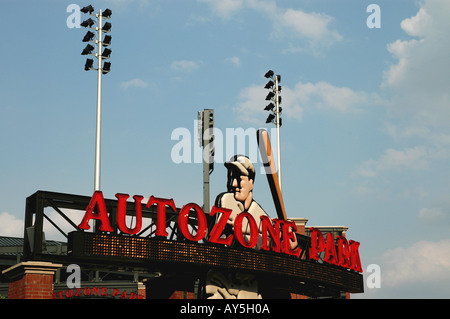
(31, 280)
(32, 286)
(182, 295)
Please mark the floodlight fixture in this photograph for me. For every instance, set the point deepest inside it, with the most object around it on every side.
(87, 50)
(88, 65)
(269, 74)
(106, 53)
(106, 40)
(269, 107)
(270, 96)
(106, 14)
(89, 36)
(106, 67)
(106, 27)
(88, 9)
(270, 118)
(87, 23)
(269, 85)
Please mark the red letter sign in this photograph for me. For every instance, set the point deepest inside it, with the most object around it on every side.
(289, 238)
(355, 262)
(216, 231)
(183, 222)
(317, 243)
(161, 213)
(343, 252)
(122, 213)
(274, 230)
(253, 229)
(330, 250)
(101, 215)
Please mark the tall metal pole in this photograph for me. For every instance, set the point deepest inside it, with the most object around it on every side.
(278, 130)
(206, 120)
(99, 106)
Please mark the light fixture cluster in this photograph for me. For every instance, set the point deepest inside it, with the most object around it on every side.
(101, 42)
(274, 97)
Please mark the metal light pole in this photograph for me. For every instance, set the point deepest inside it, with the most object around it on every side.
(100, 70)
(99, 107)
(206, 129)
(278, 124)
(275, 116)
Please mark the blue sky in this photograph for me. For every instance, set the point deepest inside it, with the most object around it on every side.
(365, 138)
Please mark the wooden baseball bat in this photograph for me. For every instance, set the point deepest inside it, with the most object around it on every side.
(271, 171)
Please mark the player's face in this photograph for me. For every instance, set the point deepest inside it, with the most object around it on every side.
(240, 185)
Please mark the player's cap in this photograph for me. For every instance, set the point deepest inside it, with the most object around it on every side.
(243, 163)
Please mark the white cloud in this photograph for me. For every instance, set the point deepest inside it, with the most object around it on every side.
(303, 97)
(249, 109)
(184, 65)
(419, 80)
(415, 158)
(314, 27)
(287, 22)
(323, 95)
(125, 4)
(437, 214)
(418, 84)
(423, 262)
(10, 225)
(234, 61)
(224, 8)
(134, 83)
(431, 214)
(416, 25)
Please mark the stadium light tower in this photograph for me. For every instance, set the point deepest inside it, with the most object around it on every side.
(275, 109)
(97, 39)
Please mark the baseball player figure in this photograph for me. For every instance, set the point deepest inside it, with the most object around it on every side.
(238, 198)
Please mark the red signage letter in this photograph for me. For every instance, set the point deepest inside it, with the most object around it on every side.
(343, 252)
(183, 222)
(274, 230)
(161, 213)
(289, 238)
(101, 215)
(253, 229)
(330, 250)
(219, 226)
(317, 243)
(355, 261)
(122, 213)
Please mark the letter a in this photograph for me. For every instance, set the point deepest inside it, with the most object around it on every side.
(74, 279)
(317, 243)
(102, 215)
(374, 279)
(74, 19)
(374, 20)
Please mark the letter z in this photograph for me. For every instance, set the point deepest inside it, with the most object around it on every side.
(216, 231)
